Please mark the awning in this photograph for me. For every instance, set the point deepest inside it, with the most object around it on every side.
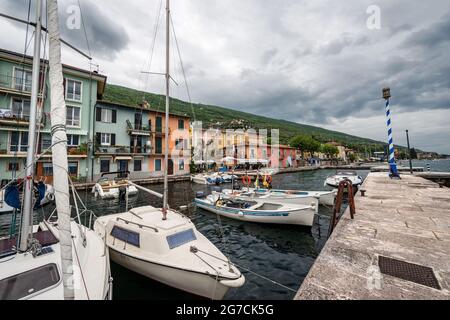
(123, 158)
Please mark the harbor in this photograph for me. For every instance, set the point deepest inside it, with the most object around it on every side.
(116, 185)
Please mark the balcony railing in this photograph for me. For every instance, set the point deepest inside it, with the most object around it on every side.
(122, 150)
(16, 85)
(138, 128)
(9, 117)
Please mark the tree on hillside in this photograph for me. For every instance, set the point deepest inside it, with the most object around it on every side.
(305, 144)
(329, 150)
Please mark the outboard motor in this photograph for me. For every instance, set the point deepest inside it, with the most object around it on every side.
(200, 194)
(122, 193)
(237, 187)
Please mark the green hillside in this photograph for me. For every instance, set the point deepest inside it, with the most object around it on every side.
(219, 117)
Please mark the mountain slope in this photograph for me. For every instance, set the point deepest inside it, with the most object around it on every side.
(219, 117)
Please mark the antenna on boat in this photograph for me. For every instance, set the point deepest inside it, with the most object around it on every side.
(166, 153)
(27, 214)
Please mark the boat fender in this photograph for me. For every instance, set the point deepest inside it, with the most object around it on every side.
(50, 196)
(241, 213)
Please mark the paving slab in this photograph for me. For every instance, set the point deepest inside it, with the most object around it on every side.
(406, 220)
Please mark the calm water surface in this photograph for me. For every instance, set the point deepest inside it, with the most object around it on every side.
(282, 253)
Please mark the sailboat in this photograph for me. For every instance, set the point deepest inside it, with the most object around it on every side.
(54, 259)
(163, 244)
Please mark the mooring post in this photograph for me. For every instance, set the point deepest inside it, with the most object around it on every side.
(409, 153)
(392, 164)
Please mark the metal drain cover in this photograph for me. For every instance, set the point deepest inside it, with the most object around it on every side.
(408, 271)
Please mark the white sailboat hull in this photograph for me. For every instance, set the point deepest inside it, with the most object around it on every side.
(189, 281)
(90, 266)
(193, 265)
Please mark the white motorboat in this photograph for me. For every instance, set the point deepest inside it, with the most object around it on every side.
(334, 180)
(325, 198)
(258, 210)
(110, 189)
(228, 178)
(170, 251)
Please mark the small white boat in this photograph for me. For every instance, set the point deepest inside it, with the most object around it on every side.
(170, 251)
(334, 180)
(207, 179)
(258, 210)
(289, 196)
(110, 189)
(228, 178)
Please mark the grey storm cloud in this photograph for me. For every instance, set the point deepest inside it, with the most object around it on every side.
(307, 61)
(432, 36)
(105, 38)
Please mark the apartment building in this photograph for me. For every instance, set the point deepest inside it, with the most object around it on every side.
(82, 89)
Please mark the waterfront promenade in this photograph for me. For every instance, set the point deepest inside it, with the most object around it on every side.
(407, 220)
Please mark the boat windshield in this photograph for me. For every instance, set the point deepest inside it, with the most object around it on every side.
(178, 239)
(346, 173)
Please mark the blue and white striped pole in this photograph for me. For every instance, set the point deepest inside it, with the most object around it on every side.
(392, 164)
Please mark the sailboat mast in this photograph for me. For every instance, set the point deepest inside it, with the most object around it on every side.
(166, 153)
(59, 149)
(27, 212)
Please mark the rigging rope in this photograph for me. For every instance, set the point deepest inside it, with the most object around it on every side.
(182, 66)
(152, 48)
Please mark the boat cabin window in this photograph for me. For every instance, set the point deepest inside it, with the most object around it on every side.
(29, 282)
(126, 236)
(180, 238)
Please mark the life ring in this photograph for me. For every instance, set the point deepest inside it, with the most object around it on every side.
(246, 180)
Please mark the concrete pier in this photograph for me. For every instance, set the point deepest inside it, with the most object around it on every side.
(407, 220)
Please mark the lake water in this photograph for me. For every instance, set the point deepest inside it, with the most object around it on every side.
(282, 253)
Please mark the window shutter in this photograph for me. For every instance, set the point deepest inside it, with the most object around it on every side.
(64, 85)
(98, 138)
(113, 139)
(114, 116)
(98, 114)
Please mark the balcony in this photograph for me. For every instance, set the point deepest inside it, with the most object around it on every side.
(122, 150)
(159, 131)
(8, 117)
(138, 129)
(15, 85)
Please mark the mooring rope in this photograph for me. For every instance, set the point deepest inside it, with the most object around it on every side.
(250, 271)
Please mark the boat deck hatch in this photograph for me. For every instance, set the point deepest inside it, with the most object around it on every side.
(408, 271)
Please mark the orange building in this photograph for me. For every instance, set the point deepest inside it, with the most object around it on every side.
(179, 146)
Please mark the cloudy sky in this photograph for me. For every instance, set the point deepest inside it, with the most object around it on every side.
(309, 61)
